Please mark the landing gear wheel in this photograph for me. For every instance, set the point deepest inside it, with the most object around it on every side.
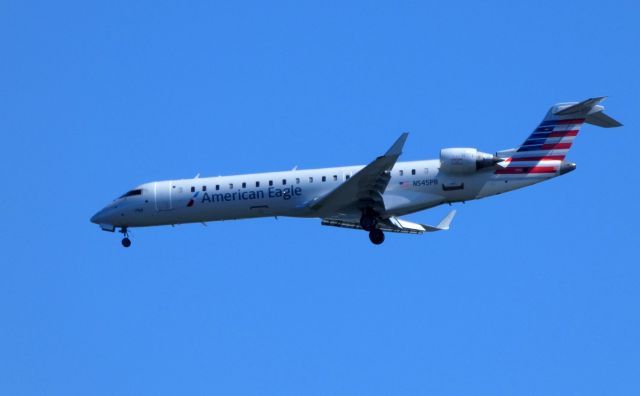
(126, 242)
(376, 236)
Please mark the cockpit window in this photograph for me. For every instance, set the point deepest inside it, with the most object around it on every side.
(132, 193)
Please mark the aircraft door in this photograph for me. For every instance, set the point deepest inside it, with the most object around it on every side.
(163, 195)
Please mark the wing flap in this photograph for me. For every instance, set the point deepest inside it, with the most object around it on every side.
(394, 224)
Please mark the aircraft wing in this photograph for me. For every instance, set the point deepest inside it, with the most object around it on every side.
(365, 188)
(393, 224)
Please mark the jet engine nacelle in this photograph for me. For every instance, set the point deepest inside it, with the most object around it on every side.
(465, 161)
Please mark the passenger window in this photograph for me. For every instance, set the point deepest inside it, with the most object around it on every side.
(204, 188)
(297, 180)
(217, 187)
(244, 185)
(284, 182)
(230, 186)
(348, 177)
(335, 177)
(324, 178)
(257, 184)
(310, 179)
(401, 172)
(413, 171)
(193, 189)
(270, 182)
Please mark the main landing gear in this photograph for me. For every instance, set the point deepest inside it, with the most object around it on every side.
(126, 242)
(368, 222)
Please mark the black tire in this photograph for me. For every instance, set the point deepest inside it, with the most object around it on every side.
(376, 236)
(126, 242)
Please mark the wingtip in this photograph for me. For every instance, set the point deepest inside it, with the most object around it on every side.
(396, 149)
(444, 224)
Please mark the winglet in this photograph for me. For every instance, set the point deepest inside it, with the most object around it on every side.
(396, 149)
(444, 224)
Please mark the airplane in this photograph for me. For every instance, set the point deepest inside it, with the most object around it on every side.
(369, 197)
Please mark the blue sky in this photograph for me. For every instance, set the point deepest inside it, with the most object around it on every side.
(533, 292)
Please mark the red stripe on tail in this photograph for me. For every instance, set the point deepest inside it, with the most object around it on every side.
(556, 146)
(543, 158)
(563, 134)
(517, 170)
(573, 121)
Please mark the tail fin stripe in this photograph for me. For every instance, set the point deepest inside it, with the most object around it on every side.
(536, 147)
(538, 135)
(564, 133)
(540, 153)
(556, 146)
(523, 169)
(539, 158)
(574, 121)
(531, 141)
(550, 140)
(553, 134)
(562, 122)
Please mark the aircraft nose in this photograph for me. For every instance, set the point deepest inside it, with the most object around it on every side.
(95, 218)
(99, 218)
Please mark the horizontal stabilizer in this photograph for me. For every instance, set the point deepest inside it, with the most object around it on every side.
(582, 107)
(590, 110)
(602, 120)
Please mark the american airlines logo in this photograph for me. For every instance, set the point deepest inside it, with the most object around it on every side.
(271, 193)
(192, 200)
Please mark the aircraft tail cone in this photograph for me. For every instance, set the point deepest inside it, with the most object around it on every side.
(567, 167)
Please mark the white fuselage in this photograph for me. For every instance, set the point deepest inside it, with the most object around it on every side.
(414, 186)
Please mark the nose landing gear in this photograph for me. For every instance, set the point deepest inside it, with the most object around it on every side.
(126, 242)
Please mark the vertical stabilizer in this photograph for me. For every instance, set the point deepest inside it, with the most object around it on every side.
(545, 149)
